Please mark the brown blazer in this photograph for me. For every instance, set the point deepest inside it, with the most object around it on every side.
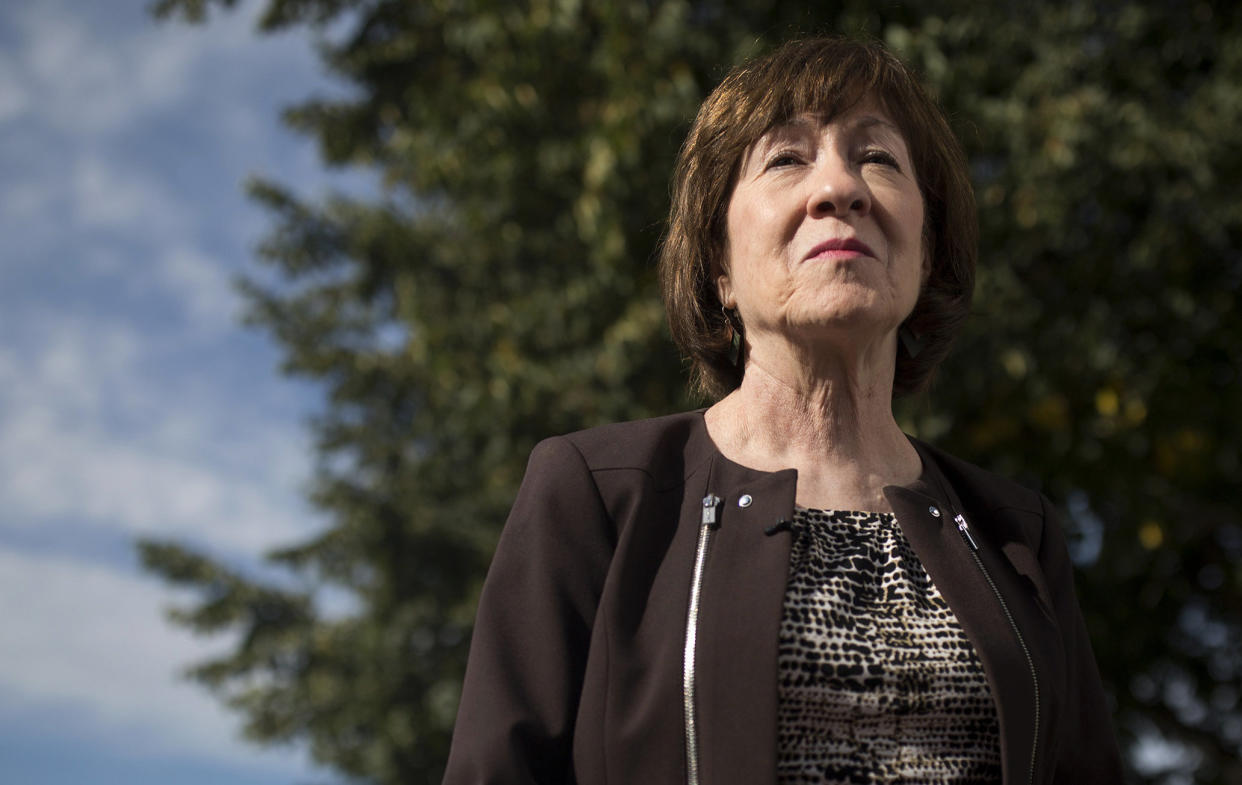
(578, 665)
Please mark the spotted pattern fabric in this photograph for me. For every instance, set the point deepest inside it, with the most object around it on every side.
(878, 681)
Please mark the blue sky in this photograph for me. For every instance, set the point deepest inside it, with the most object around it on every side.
(131, 401)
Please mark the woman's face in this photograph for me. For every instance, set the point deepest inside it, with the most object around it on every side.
(825, 231)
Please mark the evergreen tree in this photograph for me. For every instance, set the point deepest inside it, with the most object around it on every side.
(503, 290)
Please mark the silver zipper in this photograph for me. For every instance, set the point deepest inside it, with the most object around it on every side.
(709, 523)
(964, 528)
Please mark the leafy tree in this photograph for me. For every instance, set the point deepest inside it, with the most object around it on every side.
(503, 289)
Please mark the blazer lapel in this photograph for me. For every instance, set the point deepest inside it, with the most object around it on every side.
(739, 625)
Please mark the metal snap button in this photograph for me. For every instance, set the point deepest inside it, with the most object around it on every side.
(934, 510)
(744, 500)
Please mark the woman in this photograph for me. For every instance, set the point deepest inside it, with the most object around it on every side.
(785, 588)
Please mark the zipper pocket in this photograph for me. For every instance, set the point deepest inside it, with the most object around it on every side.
(964, 528)
(709, 524)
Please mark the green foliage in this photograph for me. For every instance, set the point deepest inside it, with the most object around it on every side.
(503, 290)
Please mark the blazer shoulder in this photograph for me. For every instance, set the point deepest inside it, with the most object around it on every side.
(668, 448)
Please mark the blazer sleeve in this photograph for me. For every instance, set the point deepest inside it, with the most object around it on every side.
(529, 648)
(1087, 749)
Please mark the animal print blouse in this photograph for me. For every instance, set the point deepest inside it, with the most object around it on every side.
(878, 681)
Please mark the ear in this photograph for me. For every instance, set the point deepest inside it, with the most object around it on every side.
(724, 291)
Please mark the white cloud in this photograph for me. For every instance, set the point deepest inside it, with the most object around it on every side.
(94, 641)
(146, 246)
(27, 202)
(69, 194)
(89, 83)
(78, 364)
(104, 68)
(105, 196)
(203, 283)
(54, 472)
(13, 97)
(89, 432)
(84, 86)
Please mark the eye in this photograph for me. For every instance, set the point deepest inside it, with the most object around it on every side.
(882, 157)
(782, 159)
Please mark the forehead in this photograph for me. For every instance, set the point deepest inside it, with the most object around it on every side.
(867, 120)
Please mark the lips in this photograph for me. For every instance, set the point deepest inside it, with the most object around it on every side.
(841, 248)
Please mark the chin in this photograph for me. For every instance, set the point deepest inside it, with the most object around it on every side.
(863, 313)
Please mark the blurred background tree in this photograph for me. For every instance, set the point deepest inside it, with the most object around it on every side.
(502, 289)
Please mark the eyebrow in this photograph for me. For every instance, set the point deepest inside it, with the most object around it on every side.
(867, 122)
(806, 122)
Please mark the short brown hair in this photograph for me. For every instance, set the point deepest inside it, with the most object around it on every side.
(824, 77)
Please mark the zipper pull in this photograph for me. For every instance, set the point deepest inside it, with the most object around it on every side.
(964, 528)
(711, 502)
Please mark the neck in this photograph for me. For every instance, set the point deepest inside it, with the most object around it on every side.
(836, 427)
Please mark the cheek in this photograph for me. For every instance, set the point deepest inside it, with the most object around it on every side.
(910, 251)
(742, 245)
(914, 221)
(911, 232)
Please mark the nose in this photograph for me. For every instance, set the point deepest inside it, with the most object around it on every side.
(837, 190)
